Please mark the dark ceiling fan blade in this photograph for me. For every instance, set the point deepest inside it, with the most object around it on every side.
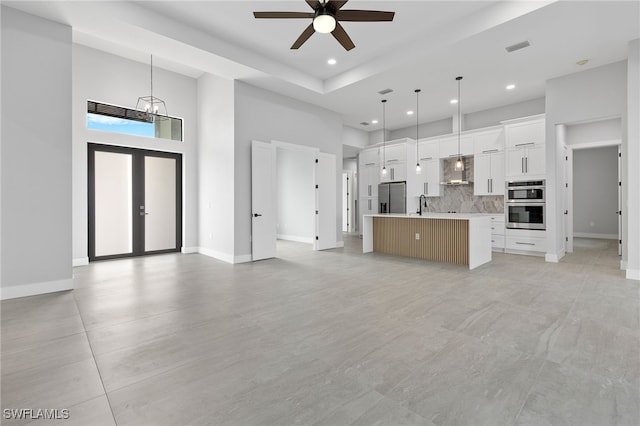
(308, 32)
(343, 38)
(364, 16)
(282, 15)
(337, 4)
(315, 4)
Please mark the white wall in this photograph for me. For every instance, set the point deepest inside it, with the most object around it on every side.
(493, 116)
(589, 95)
(111, 79)
(264, 115)
(354, 137)
(596, 131)
(36, 155)
(295, 195)
(216, 168)
(632, 217)
(425, 130)
(595, 192)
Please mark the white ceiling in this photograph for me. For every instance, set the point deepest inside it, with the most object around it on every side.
(427, 45)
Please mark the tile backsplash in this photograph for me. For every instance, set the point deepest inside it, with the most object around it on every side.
(460, 198)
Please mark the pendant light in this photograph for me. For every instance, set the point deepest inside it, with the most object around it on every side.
(152, 108)
(418, 168)
(459, 162)
(384, 138)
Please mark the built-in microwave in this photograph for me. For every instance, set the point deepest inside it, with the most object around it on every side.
(525, 191)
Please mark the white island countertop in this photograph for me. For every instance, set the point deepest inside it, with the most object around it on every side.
(431, 215)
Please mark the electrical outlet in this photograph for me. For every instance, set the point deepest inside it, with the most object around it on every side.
(417, 236)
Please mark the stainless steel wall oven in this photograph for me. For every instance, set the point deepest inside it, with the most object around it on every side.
(525, 205)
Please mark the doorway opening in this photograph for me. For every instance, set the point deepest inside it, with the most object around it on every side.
(293, 197)
(593, 190)
(135, 202)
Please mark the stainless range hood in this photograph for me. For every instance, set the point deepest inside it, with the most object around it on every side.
(453, 177)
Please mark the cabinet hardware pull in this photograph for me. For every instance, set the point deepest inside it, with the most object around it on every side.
(454, 155)
(525, 244)
(370, 164)
(526, 164)
(426, 158)
(525, 144)
(522, 164)
(488, 185)
(489, 151)
(395, 160)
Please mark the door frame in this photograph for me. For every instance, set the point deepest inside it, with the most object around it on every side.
(138, 187)
(570, 148)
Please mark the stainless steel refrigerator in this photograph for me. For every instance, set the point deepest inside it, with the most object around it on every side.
(392, 197)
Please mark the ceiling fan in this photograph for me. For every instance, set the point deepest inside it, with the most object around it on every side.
(326, 16)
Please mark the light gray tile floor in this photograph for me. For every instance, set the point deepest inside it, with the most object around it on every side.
(331, 338)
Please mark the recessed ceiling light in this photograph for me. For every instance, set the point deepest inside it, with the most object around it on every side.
(453, 101)
(409, 112)
(511, 86)
(374, 121)
(332, 61)
(582, 62)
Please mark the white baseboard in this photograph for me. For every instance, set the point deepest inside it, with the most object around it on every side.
(80, 261)
(599, 236)
(15, 291)
(553, 258)
(216, 254)
(623, 265)
(243, 258)
(633, 274)
(189, 250)
(297, 239)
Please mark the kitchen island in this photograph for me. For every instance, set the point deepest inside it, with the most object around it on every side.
(459, 238)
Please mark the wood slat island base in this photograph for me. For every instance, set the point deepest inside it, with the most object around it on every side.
(452, 238)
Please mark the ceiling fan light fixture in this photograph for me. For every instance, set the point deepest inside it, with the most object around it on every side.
(324, 22)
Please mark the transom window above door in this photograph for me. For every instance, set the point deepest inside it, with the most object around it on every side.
(112, 118)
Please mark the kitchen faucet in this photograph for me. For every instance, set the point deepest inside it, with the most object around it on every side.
(420, 201)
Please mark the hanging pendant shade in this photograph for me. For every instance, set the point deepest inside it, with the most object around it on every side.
(459, 166)
(150, 107)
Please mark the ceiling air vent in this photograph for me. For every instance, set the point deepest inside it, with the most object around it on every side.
(364, 123)
(517, 46)
(385, 91)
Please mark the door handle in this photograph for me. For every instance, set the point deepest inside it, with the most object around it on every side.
(257, 215)
(143, 214)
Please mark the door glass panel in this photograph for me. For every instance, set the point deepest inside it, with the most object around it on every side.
(160, 203)
(113, 203)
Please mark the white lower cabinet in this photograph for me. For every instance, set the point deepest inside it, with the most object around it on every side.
(497, 232)
(523, 241)
(368, 205)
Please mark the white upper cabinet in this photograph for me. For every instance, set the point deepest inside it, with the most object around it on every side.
(525, 133)
(489, 141)
(394, 153)
(428, 150)
(369, 157)
(488, 172)
(525, 152)
(449, 146)
(428, 181)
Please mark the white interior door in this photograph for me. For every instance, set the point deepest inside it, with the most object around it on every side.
(263, 200)
(325, 181)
